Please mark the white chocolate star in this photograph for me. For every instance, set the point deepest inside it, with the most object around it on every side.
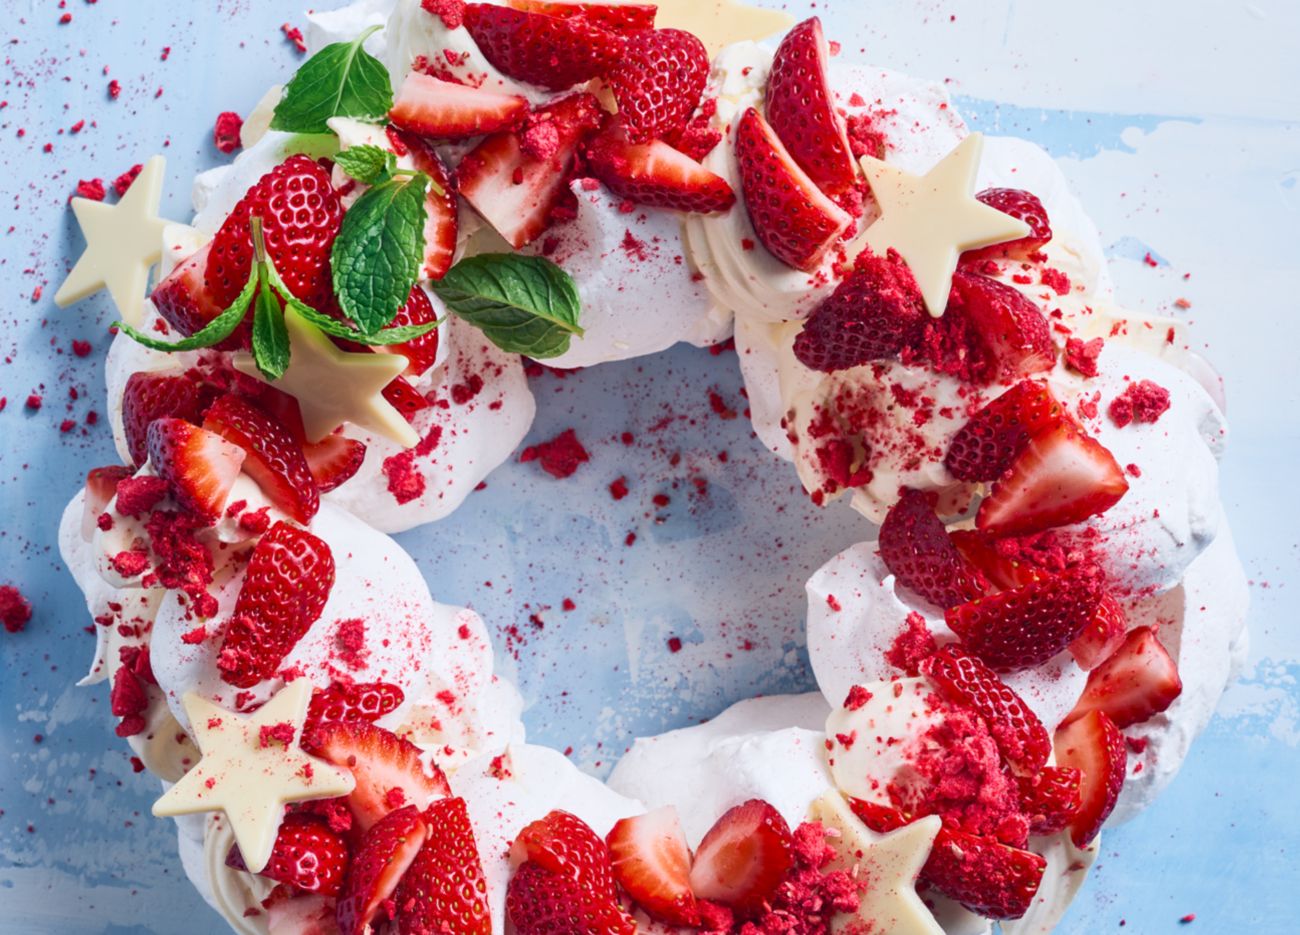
(719, 23)
(930, 219)
(889, 865)
(333, 386)
(248, 778)
(122, 242)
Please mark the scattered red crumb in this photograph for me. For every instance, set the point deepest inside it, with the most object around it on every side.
(405, 482)
(1055, 280)
(256, 521)
(1143, 401)
(81, 348)
(913, 644)
(810, 891)
(629, 539)
(114, 89)
(294, 35)
(500, 767)
(1149, 260)
(618, 489)
(833, 603)
(268, 734)
(1187, 919)
(137, 765)
(567, 605)
(560, 457)
(674, 644)
(864, 138)
(195, 637)
(1136, 744)
(720, 407)
(124, 181)
(1081, 356)
(15, 610)
(225, 133)
(1133, 470)
(128, 700)
(857, 697)
(451, 12)
(350, 643)
(91, 188)
(395, 797)
(128, 564)
(34, 401)
(139, 495)
(540, 138)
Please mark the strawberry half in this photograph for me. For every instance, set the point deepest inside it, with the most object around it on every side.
(307, 855)
(986, 446)
(421, 352)
(743, 857)
(388, 769)
(793, 218)
(564, 844)
(1095, 747)
(652, 863)
(1050, 798)
(1136, 683)
(566, 874)
(966, 681)
(657, 175)
(658, 81)
(444, 891)
(274, 459)
(515, 190)
(539, 902)
(199, 466)
(286, 586)
(1103, 634)
(1014, 337)
(1028, 625)
(185, 302)
(915, 547)
(443, 110)
(801, 109)
(1023, 206)
(982, 552)
(301, 214)
(1062, 477)
(334, 460)
(383, 856)
(620, 17)
(443, 221)
(551, 52)
(148, 396)
(352, 701)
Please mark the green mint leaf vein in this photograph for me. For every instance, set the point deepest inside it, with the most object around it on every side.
(523, 304)
(214, 332)
(367, 164)
(270, 336)
(340, 329)
(341, 80)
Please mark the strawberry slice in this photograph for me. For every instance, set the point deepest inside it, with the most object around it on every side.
(443, 221)
(539, 902)
(1095, 747)
(915, 547)
(334, 460)
(1062, 477)
(422, 351)
(444, 890)
(515, 188)
(982, 552)
(1028, 625)
(148, 396)
(405, 398)
(563, 843)
(274, 459)
(388, 769)
(301, 214)
(307, 856)
(1137, 682)
(352, 701)
(652, 863)
(552, 52)
(965, 680)
(801, 109)
(566, 869)
(986, 446)
(199, 466)
(382, 857)
(658, 81)
(620, 17)
(657, 175)
(793, 218)
(1023, 206)
(1103, 634)
(743, 857)
(101, 487)
(185, 302)
(443, 110)
(286, 586)
(986, 876)
(1050, 798)
(1014, 337)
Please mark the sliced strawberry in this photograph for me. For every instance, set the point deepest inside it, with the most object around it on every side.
(566, 873)
(1050, 798)
(382, 857)
(801, 108)
(1103, 634)
(445, 891)
(915, 547)
(982, 552)
(423, 351)
(620, 17)
(1136, 683)
(965, 680)
(514, 188)
(1013, 335)
(549, 51)
(101, 487)
(1023, 206)
(148, 396)
(652, 863)
(185, 302)
(199, 466)
(872, 315)
(307, 855)
(1062, 477)
(986, 446)
(334, 460)
(793, 218)
(1026, 626)
(743, 857)
(301, 215)
(443, 221)
(352, 701)
(443, 110)
(539, 902)
(286, 586)
(657, 175)
(405, 398)
(563, 843)
(1095, 747)
(274, 459)
(388, 769)
(658, 81)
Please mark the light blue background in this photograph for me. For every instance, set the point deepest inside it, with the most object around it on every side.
(725, 568)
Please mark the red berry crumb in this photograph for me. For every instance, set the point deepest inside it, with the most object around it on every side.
(1143, 401)
(124, 181)
(15, 610)
(451, 12)
(225, 134)
(1081, 356)
(294, 35)
(91, 188)
(913, 644)
(560, 457)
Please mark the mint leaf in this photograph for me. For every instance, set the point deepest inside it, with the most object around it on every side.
(367, 164)
(524, 304)
(214, 332)
(377, 254)
(341, 80)
(270, 335)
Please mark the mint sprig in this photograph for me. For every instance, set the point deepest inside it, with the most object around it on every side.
(270, 334)
(341, 80)
(214, 332)
(366, 163)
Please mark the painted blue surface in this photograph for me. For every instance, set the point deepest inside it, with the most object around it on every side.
(1221, 843)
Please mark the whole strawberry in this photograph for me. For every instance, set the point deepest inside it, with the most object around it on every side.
(658, 82)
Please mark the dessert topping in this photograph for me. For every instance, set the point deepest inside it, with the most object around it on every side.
(915, 547)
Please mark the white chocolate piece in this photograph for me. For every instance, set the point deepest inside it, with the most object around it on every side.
(721, 22)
